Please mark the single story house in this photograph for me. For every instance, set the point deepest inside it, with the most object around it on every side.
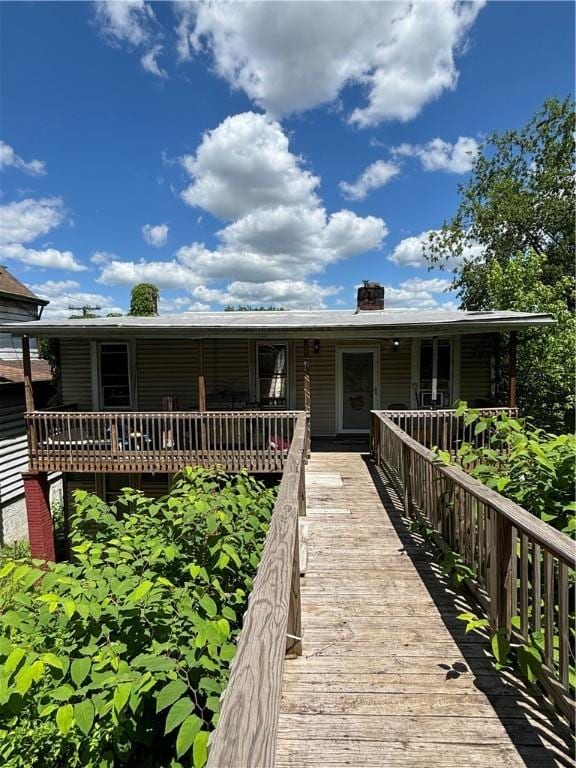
(337, 365)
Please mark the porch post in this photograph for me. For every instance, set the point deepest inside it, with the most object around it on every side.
(201, 379)
(40, 529)
(28, 388)
(512, 356)
(307, 390)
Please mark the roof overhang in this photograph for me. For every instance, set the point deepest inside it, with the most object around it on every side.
(295, 325)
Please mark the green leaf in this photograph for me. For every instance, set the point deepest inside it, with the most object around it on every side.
(530, 662)
(169, 694)
(209, 606)
(200, 749)
(79, 669)
(186, 734)
(23, 680)
(7, 568)
(53, 661)
(84, 715)
(140, 592)
(500, 647)
(13, 660)
(154, 663)
(121, 696)
(178, 713)
(65, 718)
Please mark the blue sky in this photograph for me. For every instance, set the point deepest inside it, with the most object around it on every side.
(274, 153)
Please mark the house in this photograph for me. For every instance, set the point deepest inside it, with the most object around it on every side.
(17, 305)
(132, 388)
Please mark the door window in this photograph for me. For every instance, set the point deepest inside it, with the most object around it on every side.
(114, 377)
(357, 390)
(272, 375)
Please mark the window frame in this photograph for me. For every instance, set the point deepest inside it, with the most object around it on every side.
(454, 378)
(98, 363)
(287, 347)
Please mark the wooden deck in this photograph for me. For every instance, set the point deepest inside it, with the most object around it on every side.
(387, 676)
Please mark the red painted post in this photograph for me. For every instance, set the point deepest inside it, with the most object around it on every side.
(40, 529)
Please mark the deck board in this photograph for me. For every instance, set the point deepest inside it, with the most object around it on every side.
(387, 676)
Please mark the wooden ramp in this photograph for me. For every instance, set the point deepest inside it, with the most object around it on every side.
(388, 677)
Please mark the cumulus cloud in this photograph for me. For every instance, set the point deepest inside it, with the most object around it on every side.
(289, 294)
(419, 293)
(164, 274)
(410, 252)
(9, 159)
(102, 257)
(62, 294)
(22, 222)
(277, 229)
(245, 163)
(46, 258)
(373, 177)
(156, 234)
(440, 155)
(290, 57)
(25, 220)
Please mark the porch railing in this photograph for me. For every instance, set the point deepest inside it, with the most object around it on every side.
(521, 566)
(443, 428)
(75, 441)
(247, 728)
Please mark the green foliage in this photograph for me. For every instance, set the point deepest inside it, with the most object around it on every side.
(144, 300)
(120, 657)
(519, 206)
(546, 378)
(520, 198)
(524, 463)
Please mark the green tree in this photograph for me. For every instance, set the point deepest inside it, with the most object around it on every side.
(518, 207)
(144, 300)
(520, 197)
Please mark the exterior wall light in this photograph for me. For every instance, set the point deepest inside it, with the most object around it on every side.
(395, 345)
(316, 346)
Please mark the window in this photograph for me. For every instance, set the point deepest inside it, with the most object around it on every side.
(442, 390)
(272, 375)
(114, 376)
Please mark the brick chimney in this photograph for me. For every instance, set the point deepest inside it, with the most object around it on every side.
(370, 297)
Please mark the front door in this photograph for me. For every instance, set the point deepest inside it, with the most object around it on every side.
(357, 390)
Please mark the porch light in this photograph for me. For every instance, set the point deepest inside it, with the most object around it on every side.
(395, 345)
(316, 346)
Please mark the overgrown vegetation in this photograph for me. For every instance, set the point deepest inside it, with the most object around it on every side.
(144, 300)
(120, 657)
(524, 463)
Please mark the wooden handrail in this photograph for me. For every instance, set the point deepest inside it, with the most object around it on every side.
(158, 441)
(246, 733)
(520, 564)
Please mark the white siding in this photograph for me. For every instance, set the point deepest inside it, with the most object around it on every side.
(475, 383)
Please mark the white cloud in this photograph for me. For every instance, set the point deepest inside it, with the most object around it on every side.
(373, 177)
(46, 258)
(102, 257)
(289, 294)
(280, 233)
(25, 220)
(289, 58)
(164, 274)
(63, 294)
(155, 235)
(410, 252)
(245, 163)
(9, 159)
(440, 155)
(22, 222)
(418, 293)
(124, 21)
(149, 62)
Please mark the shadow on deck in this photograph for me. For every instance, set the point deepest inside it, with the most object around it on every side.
(388, 676)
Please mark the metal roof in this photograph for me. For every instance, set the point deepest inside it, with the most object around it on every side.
(285, 323)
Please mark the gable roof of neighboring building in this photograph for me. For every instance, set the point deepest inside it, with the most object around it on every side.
(286, 323)
(11, 371)
(13, 288)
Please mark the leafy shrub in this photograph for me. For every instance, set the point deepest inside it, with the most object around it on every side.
(120, 657)
(526, 464)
